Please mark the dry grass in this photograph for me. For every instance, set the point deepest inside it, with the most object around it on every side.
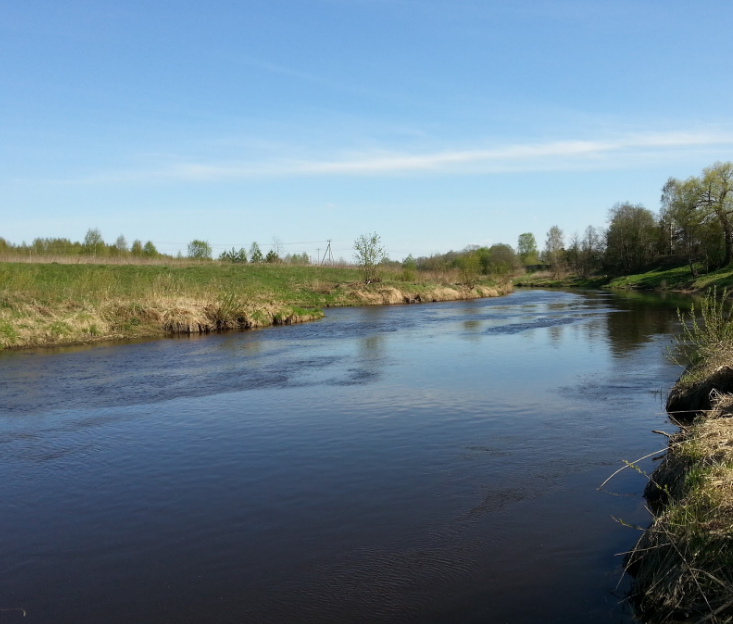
(683, 564)
(54, 304)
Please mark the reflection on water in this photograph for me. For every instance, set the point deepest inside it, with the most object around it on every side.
(432, 463)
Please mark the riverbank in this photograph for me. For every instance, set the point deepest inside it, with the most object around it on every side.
(59, 304)
(677, 279)
(683, 564)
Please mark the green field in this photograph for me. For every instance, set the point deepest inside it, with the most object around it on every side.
(48, 304)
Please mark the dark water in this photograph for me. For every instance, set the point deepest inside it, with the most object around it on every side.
(433, 463)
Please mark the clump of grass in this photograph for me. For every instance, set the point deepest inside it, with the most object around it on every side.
(683, 564)
(712, 335)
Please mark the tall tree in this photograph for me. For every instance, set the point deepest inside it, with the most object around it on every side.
(591, 251)
(368, 255)
(631, 237)
(527, 248)
(555, 250)
(93, 242)
(121, 245)
(199, 249)
(255, 253)
(717, 197)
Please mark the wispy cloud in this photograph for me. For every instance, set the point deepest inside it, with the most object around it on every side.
(565, 155)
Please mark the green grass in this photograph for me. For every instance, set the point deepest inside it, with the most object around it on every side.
(678, 278)
(568, 281)
(53, 283)
(64, 303)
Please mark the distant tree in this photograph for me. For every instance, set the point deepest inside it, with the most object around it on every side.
(591, 251)
(368, 254)
(527, 249)
(501, 260)
(149, 250)
(199, 250)
(631, 238)
(234, 256)
(93, 242)
(255, 253)
(409, 268)
(682, 220)
(555, 250)
(121, 245)
(137, 248)
(716, 197)
(469, 268)
(272, 257)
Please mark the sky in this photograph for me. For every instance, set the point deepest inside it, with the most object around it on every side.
(435, 123)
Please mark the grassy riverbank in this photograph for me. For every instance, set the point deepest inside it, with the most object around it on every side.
(55, 304)
(683, 564)
(678, 279)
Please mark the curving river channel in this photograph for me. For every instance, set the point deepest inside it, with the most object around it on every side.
(434, 463)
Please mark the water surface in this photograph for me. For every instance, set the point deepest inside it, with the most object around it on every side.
(432, 463)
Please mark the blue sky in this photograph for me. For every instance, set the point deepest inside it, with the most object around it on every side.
(435, 123)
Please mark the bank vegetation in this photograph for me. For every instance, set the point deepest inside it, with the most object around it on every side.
(683, 564)
(45, 304)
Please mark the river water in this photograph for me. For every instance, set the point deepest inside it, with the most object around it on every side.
(432, 463)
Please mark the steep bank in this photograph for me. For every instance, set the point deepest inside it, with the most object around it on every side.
(683, 564)
(49, 305)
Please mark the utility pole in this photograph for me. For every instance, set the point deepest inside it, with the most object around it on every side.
(318, 255)
(328, 254)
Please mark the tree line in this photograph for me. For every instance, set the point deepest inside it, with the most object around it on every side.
(93, 245)
(693, 226)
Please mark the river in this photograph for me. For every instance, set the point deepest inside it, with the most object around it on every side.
(431, 463)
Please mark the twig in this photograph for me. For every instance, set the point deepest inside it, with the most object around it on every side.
(16, 609)
(628, 465)
(664, 433)
(712, 614)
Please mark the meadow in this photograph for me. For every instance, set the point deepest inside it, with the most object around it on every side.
(52, 303)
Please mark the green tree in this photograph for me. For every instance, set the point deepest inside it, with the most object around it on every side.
(272, 257)
(255, 253)
(368, 254)
(591, 251)
(469, 268)
(234, 256)
(149, 250)
(527, 249)
(501, 259)
(199, 250)
(93, 242)
(631, 237)
(120, 246)
(717, 198)
(555, 250)
(137, 248)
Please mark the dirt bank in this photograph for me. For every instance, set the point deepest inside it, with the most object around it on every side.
(390, 295)
(683, 564)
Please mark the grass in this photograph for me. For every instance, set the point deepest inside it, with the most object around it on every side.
(50, 303)
(683, 564)
(677, 278)
(660, 278)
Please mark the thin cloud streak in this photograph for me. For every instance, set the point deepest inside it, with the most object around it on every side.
(572, 155)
